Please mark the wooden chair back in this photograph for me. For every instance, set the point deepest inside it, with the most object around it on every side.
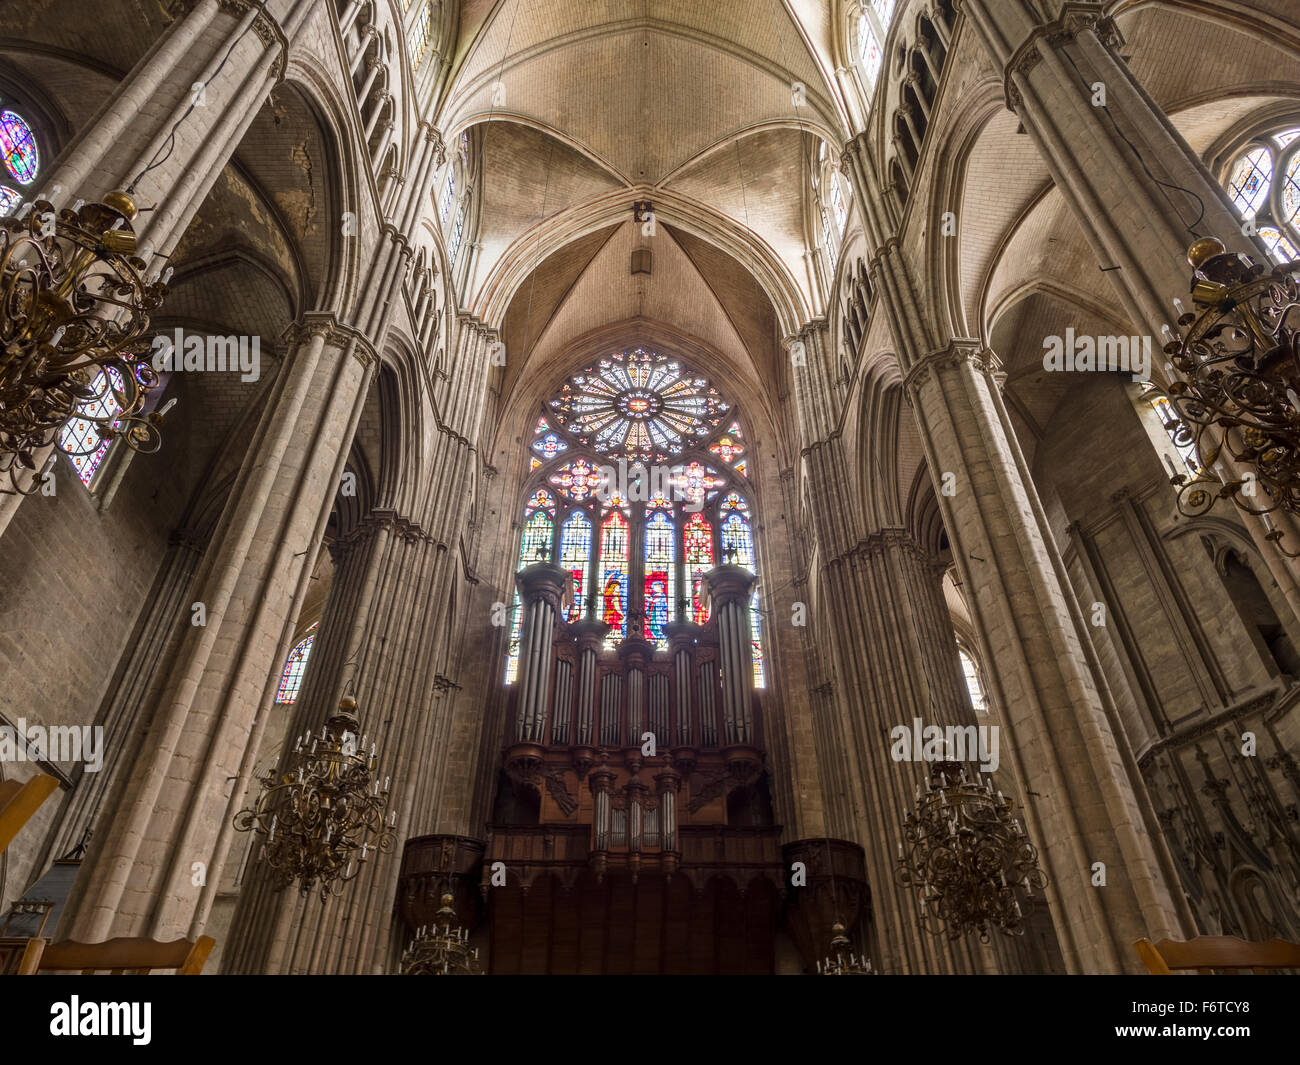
(122, 956)
(1210, 954)
(18, 801)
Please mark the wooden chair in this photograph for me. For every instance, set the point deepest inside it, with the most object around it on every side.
(116, 956)
(19, 801)
(1208, 954)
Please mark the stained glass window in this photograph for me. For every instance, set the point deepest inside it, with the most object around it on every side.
(1248, 185)
(80, 438)
(18, 147)
(837, 203)
(549, 446)
(660, 577)
(972, 674)
(1291, 191)
(756, 641)
(697, 482)
(698, 540)
(417, 38)
(8, 201)
(578, 480)
(1264, 185)
(640, 544)
(885, 9)
(639, 404)
(575, 553)
(613, 575)
(534, 547)
(868, 50)
(457, 232)
(291, 678)
(448, 195)
(737, 537)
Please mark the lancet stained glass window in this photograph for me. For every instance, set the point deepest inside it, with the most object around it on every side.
(640, 466)
(575, 554)
(613, 574)
(291, 678)
(699, 560)
(660, 577)
(417, 38)
(80, 438)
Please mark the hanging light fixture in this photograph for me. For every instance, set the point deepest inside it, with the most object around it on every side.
(74, 311)
(322, 817)
(835, 964)
(442, 949)
(971, 865)
(1236, 383)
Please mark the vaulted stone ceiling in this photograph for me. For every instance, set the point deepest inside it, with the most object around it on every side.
(604, 102)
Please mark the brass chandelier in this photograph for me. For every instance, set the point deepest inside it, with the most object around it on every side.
(321, 817)
(971, 865)
(441, 949)
(835, 964)
(1236, 389)
(74, 311)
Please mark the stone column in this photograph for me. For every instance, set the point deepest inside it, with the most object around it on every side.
(896, 659)
(728, 588)
(1068, 748)
(378, 639)
(1138, 190)
(175, 808)
(540, 589)
(381, 635)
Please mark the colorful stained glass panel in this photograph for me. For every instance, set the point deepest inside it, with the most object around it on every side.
(660, 577)
(291, 678)
(698, 540)
(1250, 180)
(18, 147)
(613, 575)
(80, 438)
(575, 555)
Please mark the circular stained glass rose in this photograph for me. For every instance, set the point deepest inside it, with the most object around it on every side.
(18, 146)
(640, 405)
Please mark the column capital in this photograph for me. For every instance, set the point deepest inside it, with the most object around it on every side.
(1077, 16)
(958, 352)
(324, 324)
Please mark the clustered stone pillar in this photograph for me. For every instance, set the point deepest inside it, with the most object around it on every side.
(1090, 807)
(541, 587)
(729, 593)
(207, 718)
(385, 607)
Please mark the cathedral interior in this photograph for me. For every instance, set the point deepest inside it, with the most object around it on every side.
(649, 486)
